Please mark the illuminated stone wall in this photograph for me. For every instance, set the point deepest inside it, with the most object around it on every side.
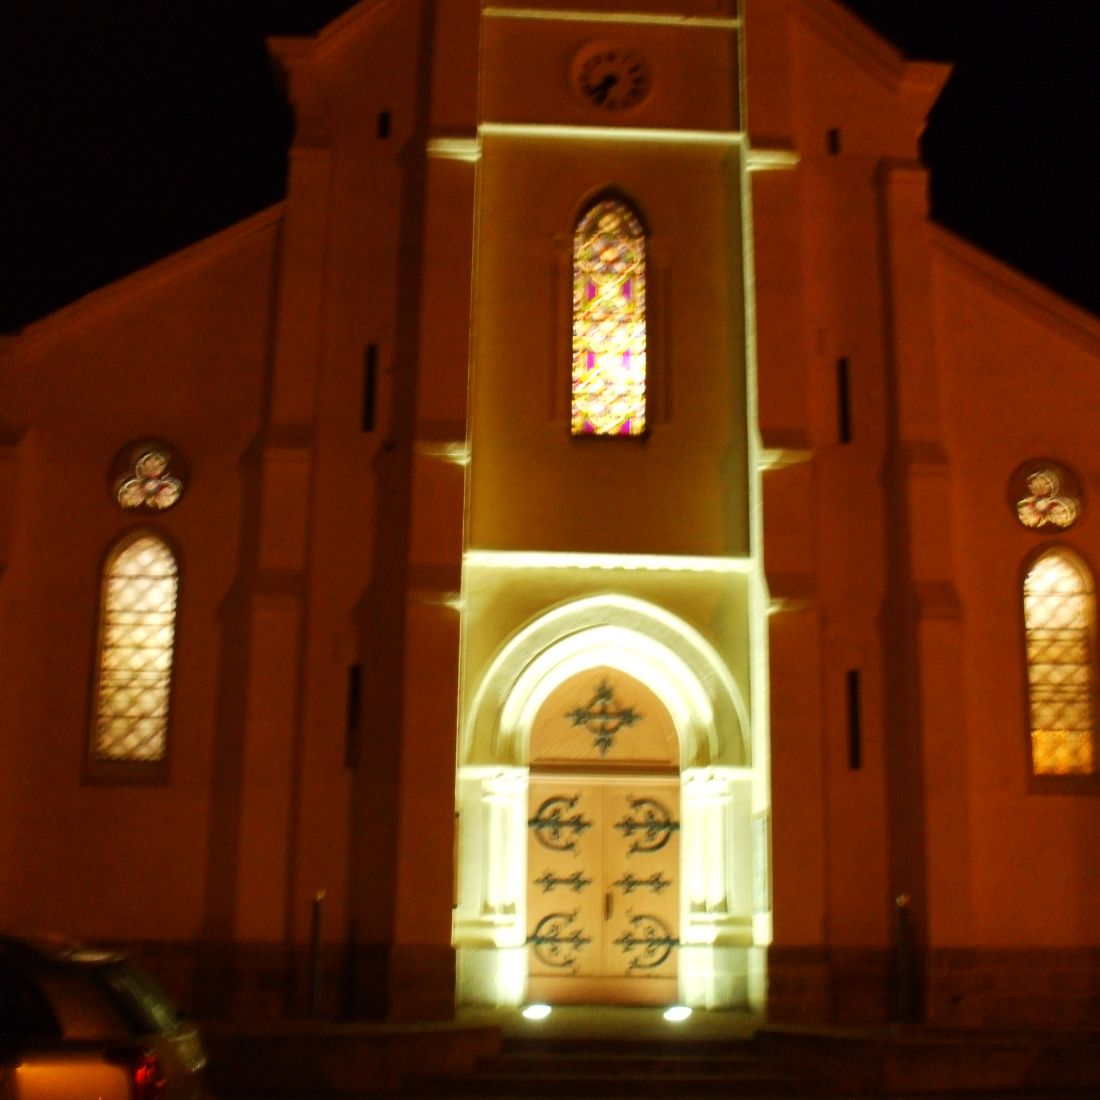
(391, 550)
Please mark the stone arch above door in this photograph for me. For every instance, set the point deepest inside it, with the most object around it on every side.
(640, 640)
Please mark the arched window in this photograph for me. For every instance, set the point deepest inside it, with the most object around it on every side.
(137, 629)
(609, 321)
(1059, 622)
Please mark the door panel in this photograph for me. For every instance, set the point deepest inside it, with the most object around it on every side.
(603, 889)
(642, 888)
(564, 877)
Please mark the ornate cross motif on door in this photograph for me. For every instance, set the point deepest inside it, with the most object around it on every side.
(603, 717)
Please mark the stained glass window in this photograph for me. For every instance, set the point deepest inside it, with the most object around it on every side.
(137, 636)
(609, 322)
(148, 476)
(1045, 494)
(1059, 611)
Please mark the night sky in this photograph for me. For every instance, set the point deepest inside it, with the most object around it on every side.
(131, 128)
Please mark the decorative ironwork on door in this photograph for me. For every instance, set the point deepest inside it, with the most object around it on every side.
(552, 829)
(656, 882)
(551, 943)
(650, 822)
(612, 851)
(652, 944)
(575, 882)
(603, 717)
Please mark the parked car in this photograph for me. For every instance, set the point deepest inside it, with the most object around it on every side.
(84, 1024)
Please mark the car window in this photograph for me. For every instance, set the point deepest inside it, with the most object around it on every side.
(142, 1004)
(25, 1014)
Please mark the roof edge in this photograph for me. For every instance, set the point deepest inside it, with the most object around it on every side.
(190, 257)
(290, 50)
(877, 54)
(1024, 292)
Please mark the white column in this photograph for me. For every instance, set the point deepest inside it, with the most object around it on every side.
(716, 863)
(489, 927)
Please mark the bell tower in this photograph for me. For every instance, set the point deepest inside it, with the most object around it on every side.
(609, 566)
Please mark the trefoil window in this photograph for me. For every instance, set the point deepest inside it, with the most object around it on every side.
(1045, 494)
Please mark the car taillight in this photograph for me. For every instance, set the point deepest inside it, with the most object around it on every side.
(147, 1080)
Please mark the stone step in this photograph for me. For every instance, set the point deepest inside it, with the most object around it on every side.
(575, 1085)
(620, 1067)
(629, 1046)
(634, 1065)
(707, 1050)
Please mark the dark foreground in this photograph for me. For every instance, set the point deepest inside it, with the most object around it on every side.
(586, 1052)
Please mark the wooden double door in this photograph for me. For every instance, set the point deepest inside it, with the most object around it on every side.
(603, 889)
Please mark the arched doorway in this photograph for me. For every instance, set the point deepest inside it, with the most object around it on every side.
(530, 761)
(603, 843)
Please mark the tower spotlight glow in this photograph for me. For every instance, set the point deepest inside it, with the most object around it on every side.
(538, 1012)
(677, 1014)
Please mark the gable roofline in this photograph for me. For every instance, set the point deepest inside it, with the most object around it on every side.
(190, 258)
(1020, 291)
(921, 80)
(287, 51)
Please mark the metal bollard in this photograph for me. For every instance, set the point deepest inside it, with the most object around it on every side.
(903, 975)
(315, 928)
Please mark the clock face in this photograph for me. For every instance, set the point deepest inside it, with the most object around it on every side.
(610, 76)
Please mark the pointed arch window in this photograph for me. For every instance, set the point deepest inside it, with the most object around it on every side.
(137, 627)
(609, 321)
(1059, 623)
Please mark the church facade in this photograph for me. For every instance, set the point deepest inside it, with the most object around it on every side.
(596, 541)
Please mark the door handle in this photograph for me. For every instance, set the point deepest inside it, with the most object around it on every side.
(608, 905)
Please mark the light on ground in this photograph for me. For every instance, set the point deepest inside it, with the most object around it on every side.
(537, 1012)
(677, 1013)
